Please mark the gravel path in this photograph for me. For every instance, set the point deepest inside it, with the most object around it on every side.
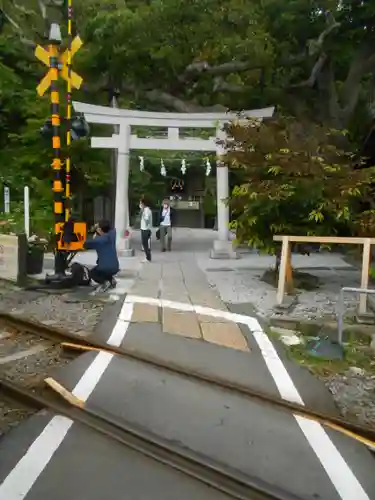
(353, 392)
(53, 309)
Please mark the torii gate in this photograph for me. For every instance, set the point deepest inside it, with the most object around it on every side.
(125, 141)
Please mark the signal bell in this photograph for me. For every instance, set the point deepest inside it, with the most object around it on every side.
(79, 128)
(46, 130)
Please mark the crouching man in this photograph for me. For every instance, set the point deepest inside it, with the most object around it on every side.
(107, 264)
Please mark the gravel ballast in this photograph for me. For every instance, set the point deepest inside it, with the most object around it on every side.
(57, 310)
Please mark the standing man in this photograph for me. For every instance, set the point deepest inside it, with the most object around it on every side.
(166, 222)
(146, 228)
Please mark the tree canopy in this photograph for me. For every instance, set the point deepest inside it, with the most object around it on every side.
(312, 59)
(297, 180)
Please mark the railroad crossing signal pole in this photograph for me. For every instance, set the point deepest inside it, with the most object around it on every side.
(68, 115)
(58, 189)
(60, 65)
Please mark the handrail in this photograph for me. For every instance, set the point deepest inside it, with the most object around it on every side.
(355, 240)
(341, 307)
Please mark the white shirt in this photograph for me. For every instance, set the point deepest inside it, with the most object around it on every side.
(166, 214)
(146, 219)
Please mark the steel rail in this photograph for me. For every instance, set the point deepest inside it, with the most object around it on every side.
(219, 476)
(51, 333)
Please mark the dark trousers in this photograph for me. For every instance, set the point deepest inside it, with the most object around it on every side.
(146, 242)
(100, 276)
(166, 233)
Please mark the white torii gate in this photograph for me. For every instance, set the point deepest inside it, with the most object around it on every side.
(125, 141)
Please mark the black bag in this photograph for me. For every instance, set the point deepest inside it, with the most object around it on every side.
(79, 275)
(157, 234)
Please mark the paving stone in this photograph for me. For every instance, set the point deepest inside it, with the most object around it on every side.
(211, 319)
(207, 299)
(224, 334)
(145, 313)
(145, 290)
(181, 323)
(175, 297)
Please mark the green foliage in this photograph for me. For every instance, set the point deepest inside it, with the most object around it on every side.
(41, 218)
(299, 181)
(209, 199)
(148, 49)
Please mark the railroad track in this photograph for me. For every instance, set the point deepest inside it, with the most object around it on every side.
(29, 358)
(219, 476)
(69, 340)
(232, 482)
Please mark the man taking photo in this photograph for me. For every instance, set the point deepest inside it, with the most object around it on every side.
(107, 264)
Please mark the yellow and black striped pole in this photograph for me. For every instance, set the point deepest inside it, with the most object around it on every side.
(68, 116)
(56, 142)
(57, 164)
(60, 65)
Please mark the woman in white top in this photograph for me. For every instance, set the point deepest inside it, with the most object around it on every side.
(146, 227)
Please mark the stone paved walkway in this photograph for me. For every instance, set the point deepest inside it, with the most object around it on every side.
(183, 282)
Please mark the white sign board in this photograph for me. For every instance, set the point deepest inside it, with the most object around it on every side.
(6, 199)
(8, 257)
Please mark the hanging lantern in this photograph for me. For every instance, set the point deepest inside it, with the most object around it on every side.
(183, 167)
(141, 163)
(208, 167)
(163, 170)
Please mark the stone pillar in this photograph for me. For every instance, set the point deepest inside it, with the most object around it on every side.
(222, 193)
(223, 247)
(122, 188)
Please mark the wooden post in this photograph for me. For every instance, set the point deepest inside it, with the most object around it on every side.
(282, 270)
(289, 271)
(366, 256)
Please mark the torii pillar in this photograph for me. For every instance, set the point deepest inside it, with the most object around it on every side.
(223, 246)
(125, 141)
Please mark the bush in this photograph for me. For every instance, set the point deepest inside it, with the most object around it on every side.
(41, 220)
(297, 179)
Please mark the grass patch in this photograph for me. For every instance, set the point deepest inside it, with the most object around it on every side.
(356, 354)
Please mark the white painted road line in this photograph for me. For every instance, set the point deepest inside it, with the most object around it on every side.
(340, 474)
(20, 480)
(22, 477)
(126, 312)
(92, 375)
(122, 325)
(202, 310)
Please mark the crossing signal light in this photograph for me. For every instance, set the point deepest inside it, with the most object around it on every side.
(79, 128)
(46, 130)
